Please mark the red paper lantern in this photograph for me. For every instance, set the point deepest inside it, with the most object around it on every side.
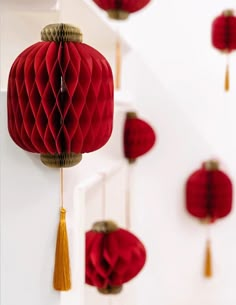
(113, 257)
(208, 198)
(224, 36)
(209, 193)
(120, 9)
(139, 137)
(60, 97)
(60, 105)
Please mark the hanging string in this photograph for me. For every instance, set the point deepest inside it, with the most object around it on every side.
(227, 75)
(104, 196)
(110, 300)
(118, 61)
(61, 187)
(128, 199)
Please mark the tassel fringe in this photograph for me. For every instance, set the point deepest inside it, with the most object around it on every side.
(62, 277)
(208, 260)
(227, 80)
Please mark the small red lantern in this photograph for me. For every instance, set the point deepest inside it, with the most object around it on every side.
(139, 137)
(60, 105)
(224, 37)
(120, 9)
(208, 198)
(113, 257)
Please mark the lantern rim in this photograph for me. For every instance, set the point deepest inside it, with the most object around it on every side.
(61, 32)
(131, 115)
(60, 160)
(206, 220)
(211, 165)
(110, 289)
(118, 14)
(228, 12)
(106, 226)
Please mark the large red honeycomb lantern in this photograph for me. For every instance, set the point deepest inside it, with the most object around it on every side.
(224, 37)
(60, 97)
(139, 137)
(60, 105)
(208, 198)
(113, 257)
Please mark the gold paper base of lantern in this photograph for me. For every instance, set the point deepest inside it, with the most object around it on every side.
(118, 14)
(132, 161)
(206, 220)
(61, 160)
(110, 290)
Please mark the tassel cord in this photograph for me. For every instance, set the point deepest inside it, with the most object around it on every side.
(104, 197)
(118, 62)
(128, 199)
(61, 188)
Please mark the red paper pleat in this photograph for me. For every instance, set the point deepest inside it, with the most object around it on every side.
(139, 138)
(224, 33)
(209, 194)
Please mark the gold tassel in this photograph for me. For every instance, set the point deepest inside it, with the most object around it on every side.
(61, 280)
(227, 82)
(118, 64)
(208, 260)
(62, 277)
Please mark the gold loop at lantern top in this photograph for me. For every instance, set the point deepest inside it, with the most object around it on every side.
(211, 165)
(227, 13)
(104, 226)
(61, 32)
(118, 14)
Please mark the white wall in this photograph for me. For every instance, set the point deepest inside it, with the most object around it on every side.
(180, 90)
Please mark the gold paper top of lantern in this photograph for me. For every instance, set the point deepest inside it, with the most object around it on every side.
(118, 14)
(228, 12)
(61, 32)
(131, 115)
(105, 226)
(211, 165)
